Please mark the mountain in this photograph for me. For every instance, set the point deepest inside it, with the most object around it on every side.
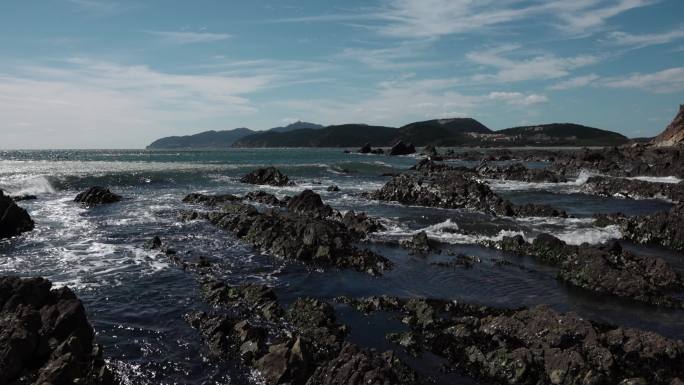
(296, 126)
(562, 134)
(441, 132)
(204, 140)
(674, 133)
(346, 135)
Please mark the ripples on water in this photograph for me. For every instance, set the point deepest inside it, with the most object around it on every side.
(136, 299)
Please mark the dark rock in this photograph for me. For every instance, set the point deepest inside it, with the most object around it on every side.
(631, 188)
(333, 188)
(455, 189)
(154, 243)
(45, 336)
(519, 172)
(310, 203)
(263, 197)
(419, 244)
(97, 195)
(605, 269)
(430, 151)
(267, 176)
(210, 200)
(402, 148)
(461, 260)
(663, 228)
(24, 198)
(14, 220)
(366, 149)
(360, 224)
(356, 366)
(536, 346)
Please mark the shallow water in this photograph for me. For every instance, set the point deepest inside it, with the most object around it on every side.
(136, 298)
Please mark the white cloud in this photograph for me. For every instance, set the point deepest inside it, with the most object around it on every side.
(666, 81)
(435, 18)
(576, 82)
(644, 40)
(405, 55)
(517, 98)
(542, 67)
(91, 103)
(188, 37)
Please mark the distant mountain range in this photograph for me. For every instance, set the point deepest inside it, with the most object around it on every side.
(438, 132)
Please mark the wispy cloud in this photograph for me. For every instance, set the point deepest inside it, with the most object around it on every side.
(666, 81)
(189, 37)
(541, 67)
(405, 55)
(576, 82)
(435, 18)
(644, 40)
(518, 98)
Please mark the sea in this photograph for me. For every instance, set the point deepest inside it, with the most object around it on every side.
(136, 298)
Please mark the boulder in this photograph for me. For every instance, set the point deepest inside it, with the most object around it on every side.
(263, 197)
(366, 149)
(310, 203)
(210, 200)
(418, 244)
(97, 195)
(267, 176)
(401, 148)
(333, 188)
(14, 220)
(45, 336)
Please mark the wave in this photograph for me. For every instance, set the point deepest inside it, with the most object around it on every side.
(566, 187)
(657, 179)
(27, 186)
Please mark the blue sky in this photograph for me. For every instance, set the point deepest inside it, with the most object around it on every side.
(121, 73)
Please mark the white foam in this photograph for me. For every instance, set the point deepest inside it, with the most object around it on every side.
(567, 187)
(657, 179)
(36, 185)
(594, 235)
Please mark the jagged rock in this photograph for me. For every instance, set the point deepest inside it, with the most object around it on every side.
(97, 195)
(266, 176)
(632, 188)
(45, 336)
(366, 149)
(263, 197)
(401, 148)
(310, 203)
(624, 161)
(461, 260)
(154, 244)
(360, 224)
(674, 132)
(519, 172)
(210, 200)
(430, 151)
(663, 228)
(24, 198)
(14, 220)
(418, 244)
(605, 269)
(333, 188)
(455, 189)
(534, 346)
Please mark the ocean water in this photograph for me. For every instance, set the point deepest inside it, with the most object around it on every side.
(136, 299)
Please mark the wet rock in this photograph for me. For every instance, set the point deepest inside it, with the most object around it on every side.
(430, 151)
(356, 366)
(24, 198)
(663, 228)
(428, 165)
(14, 220)
(267, 176)
(361, 224)
(310, 203)
(401, 148)
(333, 188)
(537, 345)
(263, 197)
(154, 244)
(45, 336)
(632, 188)
(418, 244)
(210, 200)
(455, 189)
(519, 172)
(604, 269)
(366, 149)
(96, 196)
(461, 260)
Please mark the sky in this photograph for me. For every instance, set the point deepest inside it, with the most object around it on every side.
(121, 73)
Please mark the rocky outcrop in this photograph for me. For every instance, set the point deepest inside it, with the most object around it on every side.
(310, 203)
(418, 244)
(210, 200)
(604, 269)
(97, 195)
(301, 345)
(662, 228)
(263, 197)
(519, 172)
(632, 188)
(367, 149)
(303, 233)
(333, 188)
(14, 220)
(532, 346)
(638, 160)
(267, 176)
(401, 148)
(455, 190)
(674, 132)
(45, 337)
